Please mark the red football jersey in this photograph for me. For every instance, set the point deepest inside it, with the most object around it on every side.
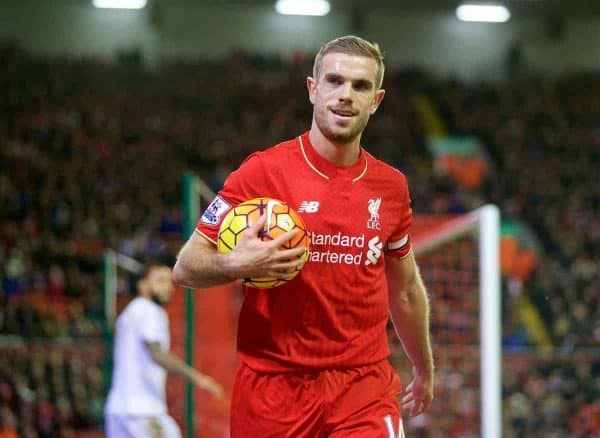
(334, 313)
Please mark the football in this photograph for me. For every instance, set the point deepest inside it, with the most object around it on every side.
(280, 219)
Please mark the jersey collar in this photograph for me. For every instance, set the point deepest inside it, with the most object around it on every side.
(326, 168)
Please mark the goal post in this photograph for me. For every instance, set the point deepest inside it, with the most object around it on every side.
(191, 208)
(195, 192)
(112, 263)
(491, 321)
(459, 260)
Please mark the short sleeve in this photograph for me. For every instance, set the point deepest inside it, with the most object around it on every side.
(242, 184)
(398, 244)
(153, 324)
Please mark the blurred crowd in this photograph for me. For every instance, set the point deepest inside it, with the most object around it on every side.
(544, 138)
(92, 156)
(50, 390)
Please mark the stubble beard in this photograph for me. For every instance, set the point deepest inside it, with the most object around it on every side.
(157, 298)
(339, 137)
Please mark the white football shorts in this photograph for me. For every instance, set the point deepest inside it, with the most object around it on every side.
(137, 426)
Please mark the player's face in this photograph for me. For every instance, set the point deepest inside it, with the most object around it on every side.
(344, 96)
(160, 283)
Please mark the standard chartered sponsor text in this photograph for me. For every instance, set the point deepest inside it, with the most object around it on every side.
(331, 256)
(338, 239)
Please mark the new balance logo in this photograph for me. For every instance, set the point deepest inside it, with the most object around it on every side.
(374, 252)
(308, 207)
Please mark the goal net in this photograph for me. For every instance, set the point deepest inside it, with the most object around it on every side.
(459, 262)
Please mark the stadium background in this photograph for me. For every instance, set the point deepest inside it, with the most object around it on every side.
(102, 111)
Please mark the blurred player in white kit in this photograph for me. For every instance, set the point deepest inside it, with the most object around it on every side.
(136, 404)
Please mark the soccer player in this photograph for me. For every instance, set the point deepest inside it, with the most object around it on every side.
(314, 351)
(136, 405)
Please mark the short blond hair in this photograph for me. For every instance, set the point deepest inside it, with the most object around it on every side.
(351, 45)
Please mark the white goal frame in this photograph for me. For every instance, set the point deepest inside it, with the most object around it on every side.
(486, 222)
(111, 261)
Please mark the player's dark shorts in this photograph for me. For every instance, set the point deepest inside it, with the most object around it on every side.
(357, 402)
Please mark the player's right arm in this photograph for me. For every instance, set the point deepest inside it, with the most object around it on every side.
(199, 265)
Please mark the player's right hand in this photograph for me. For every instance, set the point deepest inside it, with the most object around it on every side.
(253, 257)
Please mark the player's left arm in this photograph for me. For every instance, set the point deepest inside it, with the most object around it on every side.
(409, 308)
(173, 364)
